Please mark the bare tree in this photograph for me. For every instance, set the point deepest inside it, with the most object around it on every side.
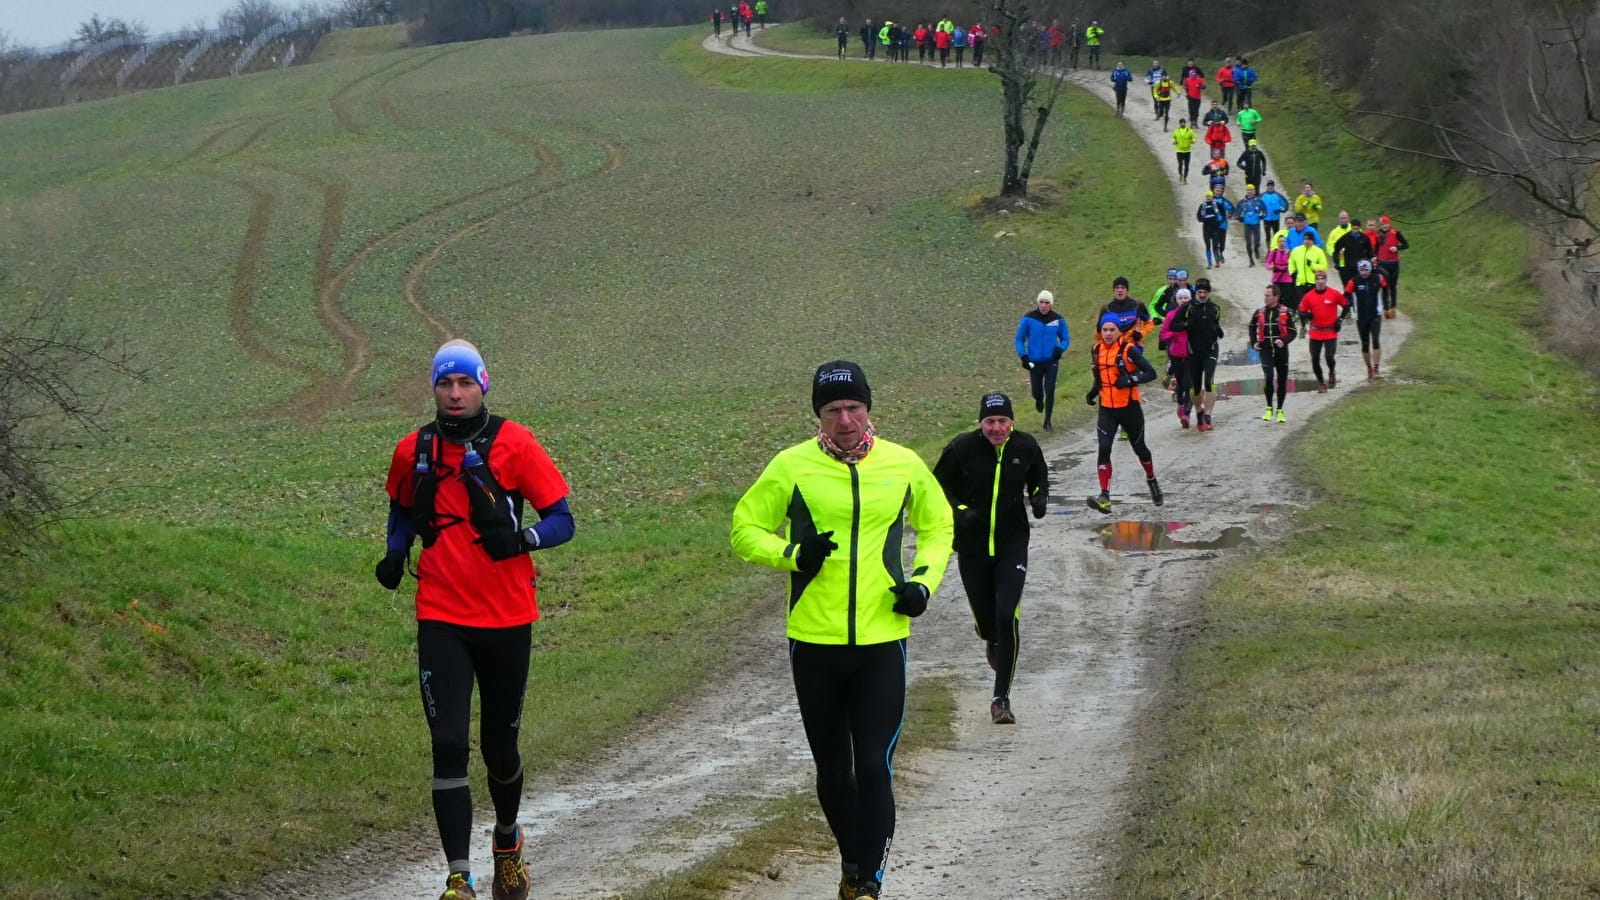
(96, 30)
(1529, 119)
(45, 411)
(251, 17)
(1029, 84)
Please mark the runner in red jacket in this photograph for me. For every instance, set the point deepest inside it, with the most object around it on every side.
(1327, 309)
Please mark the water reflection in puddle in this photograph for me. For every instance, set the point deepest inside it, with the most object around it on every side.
(1256, 387)
(1147, 536)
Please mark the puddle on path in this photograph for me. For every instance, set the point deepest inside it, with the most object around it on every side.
(1255, 387)
(1147, 536)
(1067, 460)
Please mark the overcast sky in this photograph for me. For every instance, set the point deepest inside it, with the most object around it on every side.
(45, 23)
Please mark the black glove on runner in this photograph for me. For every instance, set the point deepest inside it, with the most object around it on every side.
(502, 543)
(813, 550)
(392, 568)
(910, 599)
(1093, 393)
(1038, 502)
(1026, 362)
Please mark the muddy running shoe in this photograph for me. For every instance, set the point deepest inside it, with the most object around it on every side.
(1122, 434)
(1101, 503)
(991, 652)
(1156, 496)
(1322, 387)
(1183, 419)
(1371, 372)
(458, 887)
(868, 890)
(1000, 712)
(1267, 416)
(1332, 381)
(1282, 417)
(510, 872)
(1388, 313)
(849, 884)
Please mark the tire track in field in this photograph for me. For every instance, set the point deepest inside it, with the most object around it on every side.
(330, 283)
(391, 113)
(207, 143)
(417, 275)
(250, 139)
(247, 276)
(340, 101)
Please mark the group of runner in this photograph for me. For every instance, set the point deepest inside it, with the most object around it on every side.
(832, 511)
(742, 14)
(944, 38)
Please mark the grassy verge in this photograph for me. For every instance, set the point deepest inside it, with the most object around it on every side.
(792, 826)
(349, 43)
(210, 632)
(1402, 703)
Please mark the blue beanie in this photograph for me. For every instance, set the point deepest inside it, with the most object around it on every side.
(460, 357)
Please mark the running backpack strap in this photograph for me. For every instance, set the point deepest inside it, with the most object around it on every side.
(495, 512)
(425, 485)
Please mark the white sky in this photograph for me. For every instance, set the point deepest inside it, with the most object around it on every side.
(46, 23)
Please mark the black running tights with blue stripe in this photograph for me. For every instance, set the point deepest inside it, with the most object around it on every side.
(852, 702)
(449, 659)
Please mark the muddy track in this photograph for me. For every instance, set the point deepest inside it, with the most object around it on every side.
(416, 277)
(340, 101)
(256, 134)
(208, 142)
(247, 277)
(391, 113)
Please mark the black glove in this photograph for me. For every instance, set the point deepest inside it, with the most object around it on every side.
(1038, 502)
(1158, 320)
(910, 599)
(813, 550)
(1026, 362)
(1124, 380)
(502, 543)
(392, 568)
(1093, 393)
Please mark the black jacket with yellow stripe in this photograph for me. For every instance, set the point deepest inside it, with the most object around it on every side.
(989, 487)
(867, 506)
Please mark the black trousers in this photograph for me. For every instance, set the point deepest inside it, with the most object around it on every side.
(994, 591)
(1275, 372)
(1128, 418)
(1318, 349)
(1371, 331)
(852, 702)
(450, 658)
(1042, 383)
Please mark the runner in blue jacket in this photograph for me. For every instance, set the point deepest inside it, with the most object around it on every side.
(1276, 205)
(1041, 339)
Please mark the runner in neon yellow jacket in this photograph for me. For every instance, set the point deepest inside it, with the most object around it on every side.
(846, 496)
(866, 506)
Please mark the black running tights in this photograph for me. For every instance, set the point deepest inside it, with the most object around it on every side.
(1318, 348)
(852, 702)
(1275, 370)
(994, 591)
(449, 659)
(1129, 418)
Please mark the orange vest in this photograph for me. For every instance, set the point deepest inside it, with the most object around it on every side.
(1107, 361)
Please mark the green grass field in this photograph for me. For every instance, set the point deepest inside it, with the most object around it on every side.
(1402, 703)
(654, 248)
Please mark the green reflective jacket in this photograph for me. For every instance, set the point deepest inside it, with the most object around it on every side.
(867, 507)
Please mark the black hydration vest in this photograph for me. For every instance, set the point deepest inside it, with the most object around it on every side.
(492, 508)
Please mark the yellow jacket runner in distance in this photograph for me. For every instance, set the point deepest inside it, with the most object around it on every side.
(866, 506)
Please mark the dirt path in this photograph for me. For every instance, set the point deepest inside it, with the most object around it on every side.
(1034, 807)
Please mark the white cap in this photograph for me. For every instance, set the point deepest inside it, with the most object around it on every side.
(1045, 297)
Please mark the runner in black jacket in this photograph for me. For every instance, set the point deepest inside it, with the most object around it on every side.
(987, 475)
